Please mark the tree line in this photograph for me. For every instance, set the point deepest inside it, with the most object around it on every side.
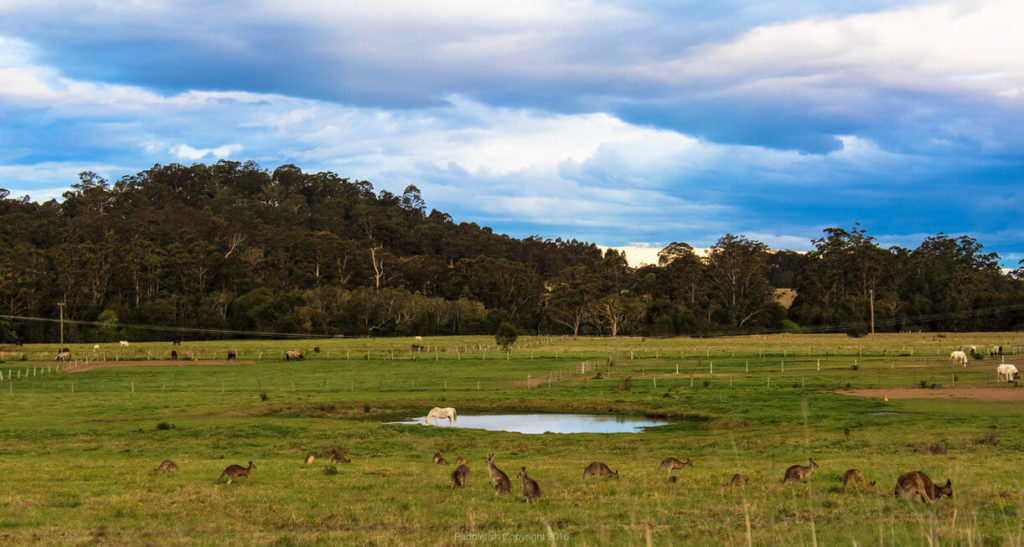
(237, 247)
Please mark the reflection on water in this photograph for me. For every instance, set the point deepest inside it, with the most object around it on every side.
(542, 423)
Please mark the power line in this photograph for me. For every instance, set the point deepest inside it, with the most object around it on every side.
(262, 334)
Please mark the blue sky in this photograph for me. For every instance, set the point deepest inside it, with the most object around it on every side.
(621, 123)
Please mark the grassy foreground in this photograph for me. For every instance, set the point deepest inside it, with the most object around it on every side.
(78, 449)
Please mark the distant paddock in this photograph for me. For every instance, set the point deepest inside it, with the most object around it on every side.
(976, 393)
(83, 366)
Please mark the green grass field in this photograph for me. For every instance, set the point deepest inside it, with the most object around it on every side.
(78, 449)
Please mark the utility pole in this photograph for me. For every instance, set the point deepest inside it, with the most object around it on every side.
(872, 310)
(61, 306)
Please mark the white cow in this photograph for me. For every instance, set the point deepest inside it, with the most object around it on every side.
(1007, 372)
(959, 358)
(124, 343)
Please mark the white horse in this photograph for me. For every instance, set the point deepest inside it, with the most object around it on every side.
(438, 412)
(1007, 371)
(959, 358)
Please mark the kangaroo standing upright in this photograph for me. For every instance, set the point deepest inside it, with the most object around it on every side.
(234, 471)
(498, 477)
(460, 475)
(530, 487)
(798, 473)
(917, 485)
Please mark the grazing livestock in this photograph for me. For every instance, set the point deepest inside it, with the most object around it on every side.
(797, 473)
(232, 355)
(124, 343)
(174, 354)
(310, 459)
(460, 475)
(166, 467)
(438, 412)
(498, 477)
(460, 460)
(96, 347)
(63, 355)
(917, 486)
(1007, 372)
(974, 351)
(530, 487)
(439, 459)
(176, 343)
(739, 480)
(599, 469)
(316, 349)
(234, 471)
(959, 358)
(293, 355)
(672, 464)
(854, 477)
(995, 351)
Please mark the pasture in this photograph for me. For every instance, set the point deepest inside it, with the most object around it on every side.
(79, 445)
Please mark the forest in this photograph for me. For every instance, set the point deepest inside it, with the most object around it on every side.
(208, 251)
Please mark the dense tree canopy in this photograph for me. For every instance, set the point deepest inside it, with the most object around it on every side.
(235, 247)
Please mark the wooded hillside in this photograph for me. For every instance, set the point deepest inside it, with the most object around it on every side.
(234, 246)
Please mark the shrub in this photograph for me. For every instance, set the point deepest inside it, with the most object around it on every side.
(164, 426)
(263, 396)
(366, 408)
(790, 326)
(506, 335)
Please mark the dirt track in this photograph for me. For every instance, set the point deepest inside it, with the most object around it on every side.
(976, 393)
(82, 366)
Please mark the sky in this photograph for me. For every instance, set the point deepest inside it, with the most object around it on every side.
(628, 124)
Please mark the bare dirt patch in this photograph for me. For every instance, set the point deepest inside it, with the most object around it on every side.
(84, 366)
(976, 393)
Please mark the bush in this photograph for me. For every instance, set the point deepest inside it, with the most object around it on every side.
(164, 426)
(263, 396)
(506, 335)
(366, 408)
(790, 326)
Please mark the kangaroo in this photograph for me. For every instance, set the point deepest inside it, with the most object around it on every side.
(439, 459)
(498, 477)
(234, 471)
(599, 469)
(799, 472)
(167, 466)
(853, 477)
(460, 475)
(338, 457)
(530, 487)
(460, 460)
(310, 458)
(739, 480)
(672, 464)
(917, 485)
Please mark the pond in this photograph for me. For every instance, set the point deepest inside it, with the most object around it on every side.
(544, 423)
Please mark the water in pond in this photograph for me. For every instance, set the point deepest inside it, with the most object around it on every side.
(543, 423)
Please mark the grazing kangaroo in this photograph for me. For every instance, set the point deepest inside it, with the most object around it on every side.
(234, 471)
(167, 466)
(439, 459)
(498, 477)
(460, 475)
(460, 460)
(739, 480)
(853, 477)
(672, 464)
(917, 484)
(310, 458)
(600, 470)
(799, 472)
(530, 487)
(338, 457)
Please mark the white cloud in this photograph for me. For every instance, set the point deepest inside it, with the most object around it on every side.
(186, 152)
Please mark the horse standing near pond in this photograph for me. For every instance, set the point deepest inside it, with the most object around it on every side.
(438, 412)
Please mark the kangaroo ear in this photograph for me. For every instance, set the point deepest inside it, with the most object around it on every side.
(948, 483)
